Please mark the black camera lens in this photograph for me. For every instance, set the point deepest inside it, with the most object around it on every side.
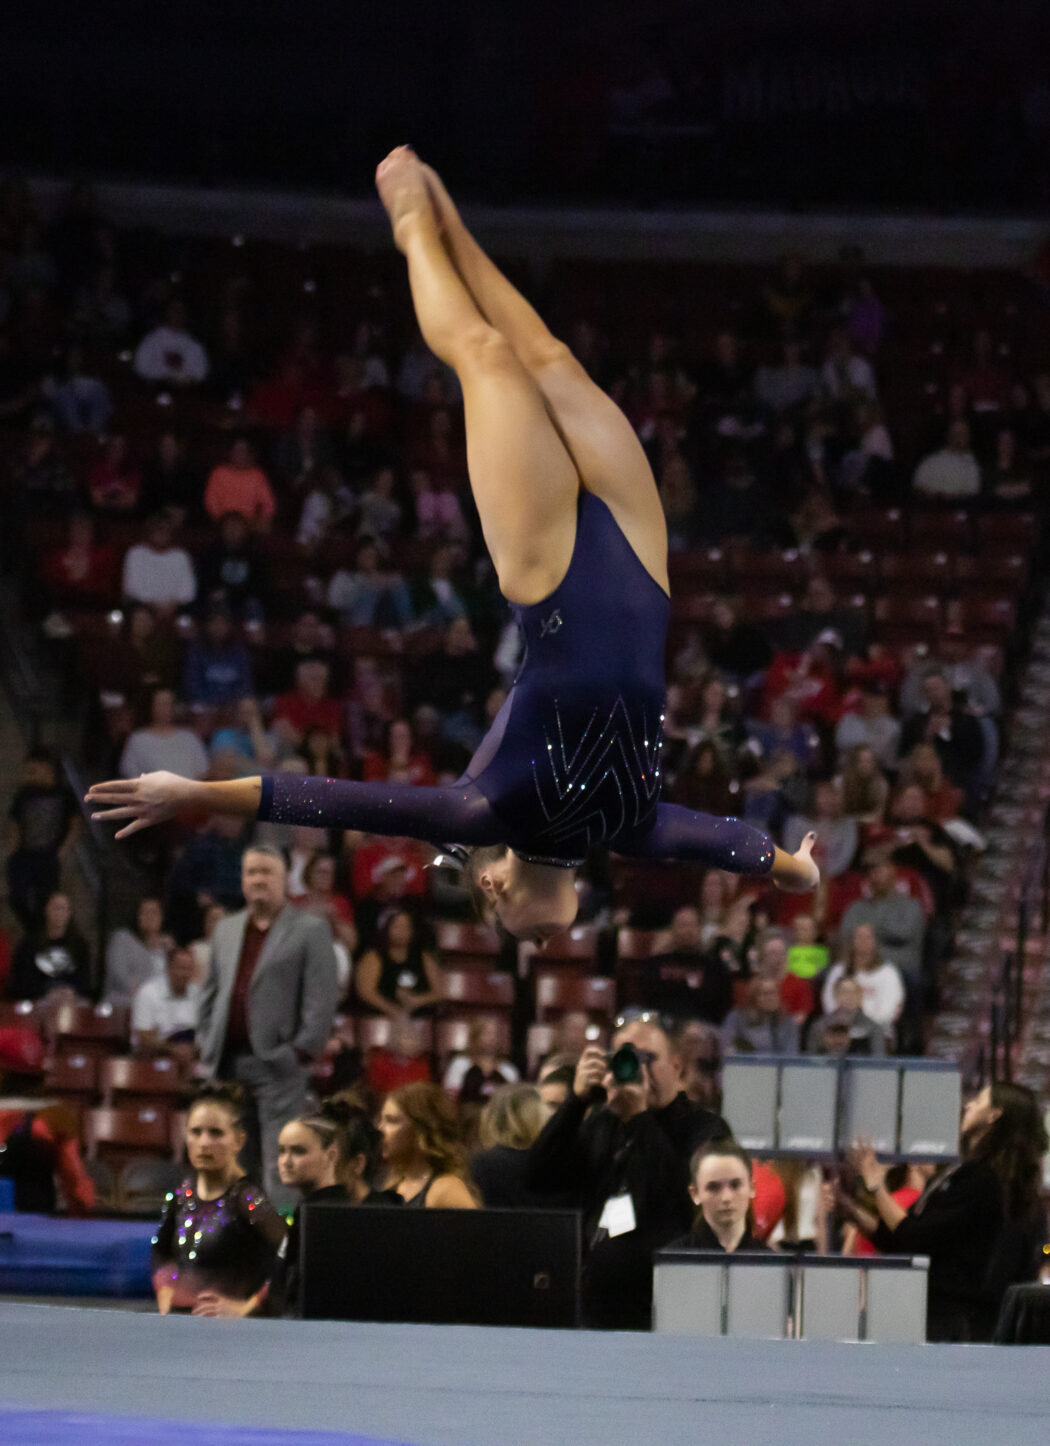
(625, 1065)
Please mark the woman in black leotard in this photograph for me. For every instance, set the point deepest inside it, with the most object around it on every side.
(219, 1237)
(327, 1156)
(573, 522)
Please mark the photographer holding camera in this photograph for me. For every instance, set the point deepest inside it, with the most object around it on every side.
(621, 1145)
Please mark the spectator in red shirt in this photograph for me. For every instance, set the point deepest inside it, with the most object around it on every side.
(812, 680)
(240, 485)
(916, 1177)
(38, 1147)
(796, 995)
(387, 869)
(309, 706)
(941, 799)
(82, 572)
(322, 897)
(400, 761)
(398, 1063)
(987, 383)
(115, 481)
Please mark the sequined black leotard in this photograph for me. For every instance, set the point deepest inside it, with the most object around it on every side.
(573, 757)
(228, 1244)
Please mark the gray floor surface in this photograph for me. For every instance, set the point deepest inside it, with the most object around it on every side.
(462, 1386)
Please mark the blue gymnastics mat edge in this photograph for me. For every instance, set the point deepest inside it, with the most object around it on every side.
(48, 1428)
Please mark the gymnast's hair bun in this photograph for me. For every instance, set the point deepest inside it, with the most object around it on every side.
(232, 1097)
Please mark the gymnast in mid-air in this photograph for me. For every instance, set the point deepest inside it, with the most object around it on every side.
(573, 522)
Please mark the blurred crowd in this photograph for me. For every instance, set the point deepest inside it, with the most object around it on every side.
(237, 510)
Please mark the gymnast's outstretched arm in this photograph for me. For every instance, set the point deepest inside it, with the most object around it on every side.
(684, 835)
(457, 812)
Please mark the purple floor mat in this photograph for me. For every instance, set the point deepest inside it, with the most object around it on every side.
(58, 1428)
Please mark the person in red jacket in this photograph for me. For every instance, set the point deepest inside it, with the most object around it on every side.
(40, 1153)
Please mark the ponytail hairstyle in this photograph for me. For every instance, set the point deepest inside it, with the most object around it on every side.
(343, 1121)
(1013, 1147)
(726, 1148)
(230, 1097)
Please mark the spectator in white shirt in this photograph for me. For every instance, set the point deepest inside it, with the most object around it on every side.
(953, 471)
(473, 1076)
(880, 982)
(163, 745)
(165, 1010)
(169, 354)
(158, 573)
(846, 374)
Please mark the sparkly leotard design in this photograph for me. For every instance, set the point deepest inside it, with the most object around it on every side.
(572, 759)
(228, 1244)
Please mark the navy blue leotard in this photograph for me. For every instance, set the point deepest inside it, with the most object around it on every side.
(573, 758)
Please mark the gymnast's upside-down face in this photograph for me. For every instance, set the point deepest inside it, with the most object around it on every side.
(530, 901)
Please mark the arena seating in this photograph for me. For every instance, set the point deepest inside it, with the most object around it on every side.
(907, 573)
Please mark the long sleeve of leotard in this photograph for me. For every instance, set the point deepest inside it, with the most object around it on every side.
(457, 813)
(684, 835)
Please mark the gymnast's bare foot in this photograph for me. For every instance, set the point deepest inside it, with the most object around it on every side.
(403, 191)
(796, 873)
(444, 207)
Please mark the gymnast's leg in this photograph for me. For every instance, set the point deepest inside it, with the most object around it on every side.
(608, 455)
(524, 481)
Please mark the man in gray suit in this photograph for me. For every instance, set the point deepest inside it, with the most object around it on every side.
(267, 1004)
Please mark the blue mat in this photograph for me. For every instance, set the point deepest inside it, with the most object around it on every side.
(41, 1255)
(58, 1428)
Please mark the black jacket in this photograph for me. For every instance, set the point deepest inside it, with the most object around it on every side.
(691, 985)
(41, 964)
(500, 1173)
(702, 1237)
(958, 1222)
(596, 1157)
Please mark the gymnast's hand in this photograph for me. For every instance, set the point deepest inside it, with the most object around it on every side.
(147, 800)
(210, 1302)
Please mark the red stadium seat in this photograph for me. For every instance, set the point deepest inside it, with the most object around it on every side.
(25, 1012)
(141, 1082)
(943, 531)
(91, 1029)
(557, 992)
(576, 947)
(634, 944)
(698, 571)
(854, 572)
(374, 1031)
(465, 945)
(917, 571)
(1011, 532)
(452, 1036)
(766, 568)
(117, 1136)
(73, 1078)
(907, 619)
(880, 531)
(992, 619)
(1005, 571)
(472, 987)
(769, 607)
